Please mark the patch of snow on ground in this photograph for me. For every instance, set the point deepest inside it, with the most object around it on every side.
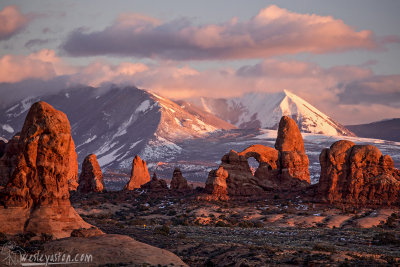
(12, 108)
(160, 148)
(88, 141)
(122, 129)
(134, 144)
(7, 128)
(267, 134)
(104, 148)
(145, 105)
(110, 157)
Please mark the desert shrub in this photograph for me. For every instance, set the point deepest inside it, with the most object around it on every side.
(222, 224)
(181, 236)
(162, 230)
(93, 202)
(46, 237)
(324, 247)
(391, 220)
(386, 238)
(232, 220)
(143, 207)
(246, 224)
(171, 213)
(137, 221)
(180, 220)
(3, 238)
(258, 224)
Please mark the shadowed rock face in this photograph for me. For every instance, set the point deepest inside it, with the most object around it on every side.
(155, 184)
(2, 147)
(139, 174)
(36, 198)
(91, 177)
(357, 174)
(281, 169)
(216, 183)
(9, 160)
(178, 182)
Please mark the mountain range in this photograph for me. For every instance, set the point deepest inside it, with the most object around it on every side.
(264, 110)
(118, 123)
(386, 129)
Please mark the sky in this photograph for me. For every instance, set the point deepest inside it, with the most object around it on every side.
(341, 56)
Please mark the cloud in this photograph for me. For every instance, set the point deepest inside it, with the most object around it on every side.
(338, 91)
(43, 64)
(12, 21)
(36, 42)
(382, 89)
(273, 31)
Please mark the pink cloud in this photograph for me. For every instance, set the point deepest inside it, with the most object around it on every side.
(12, 21)
(15, 68)
(273, 31)
(337, 91)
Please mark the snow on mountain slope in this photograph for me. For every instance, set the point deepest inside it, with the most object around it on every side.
(119, 123)
(264, 110)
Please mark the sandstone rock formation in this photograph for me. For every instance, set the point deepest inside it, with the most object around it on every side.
(114, 250)
(292, 158)
(91, 177)
(36, 198)
(9, 160)
(216, 184)
(155, 184)
(2, 147)
(139, 174)
(178, 182)
(357, 174)
(282, 169)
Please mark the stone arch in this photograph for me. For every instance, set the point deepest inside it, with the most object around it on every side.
(262, 154)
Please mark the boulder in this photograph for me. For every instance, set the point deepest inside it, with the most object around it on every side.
(216, 184)
(139, 174)
(36, 197)
(115, 250)
(91, 177)
(155, 184)
(357, 174)
(178, 182)
(9, 160)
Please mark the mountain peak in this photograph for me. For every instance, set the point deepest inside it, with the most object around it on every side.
(264, 110)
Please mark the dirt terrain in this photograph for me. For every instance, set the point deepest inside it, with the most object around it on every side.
(248, 232)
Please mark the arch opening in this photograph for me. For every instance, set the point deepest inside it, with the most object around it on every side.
(253, 164)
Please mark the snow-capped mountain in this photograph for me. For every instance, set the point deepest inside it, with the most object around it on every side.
(119, 123)
(264, 110)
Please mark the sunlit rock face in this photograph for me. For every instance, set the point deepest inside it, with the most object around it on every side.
(357, 174)
(36, 197)
(139, 174)
(283, 168)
